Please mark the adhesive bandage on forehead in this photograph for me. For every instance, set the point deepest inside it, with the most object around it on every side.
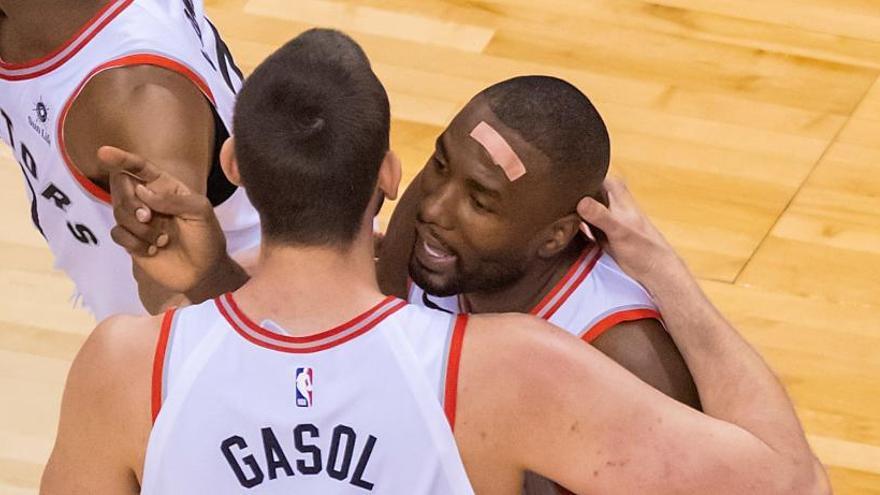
(500, 151)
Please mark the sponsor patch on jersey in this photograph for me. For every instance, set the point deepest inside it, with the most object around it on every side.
(39, 119)
(304, 382)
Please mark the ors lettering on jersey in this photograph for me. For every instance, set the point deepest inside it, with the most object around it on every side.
(51, 193)
(304, 382)
(336, 460)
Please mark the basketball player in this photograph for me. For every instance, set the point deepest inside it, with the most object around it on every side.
(147, 75)
(489, 225)
(402, 399)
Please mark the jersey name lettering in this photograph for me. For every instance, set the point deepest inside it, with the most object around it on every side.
(340, 463)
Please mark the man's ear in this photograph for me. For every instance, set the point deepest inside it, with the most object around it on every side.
(228, 161)
(559, 235)
(389, 175)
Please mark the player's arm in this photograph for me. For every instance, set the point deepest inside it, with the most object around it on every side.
(645, 349)
(392, 269)
(154, 113)
(625, 437)
(521, 403)
(105, 413)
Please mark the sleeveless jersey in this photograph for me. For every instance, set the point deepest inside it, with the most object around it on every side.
(593, 296)
(241, 407)
(71, 212)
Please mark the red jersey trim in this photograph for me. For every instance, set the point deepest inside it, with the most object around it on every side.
(93, 189)
(311, 343)
(613, 319)
(57, 58)
(159, 363)
(450, 395)
(578, 272)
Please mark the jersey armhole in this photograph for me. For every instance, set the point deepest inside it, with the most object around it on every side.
(159, 364)
(450, 394)
(161, 61)
(607, 322)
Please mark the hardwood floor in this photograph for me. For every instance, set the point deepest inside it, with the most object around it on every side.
(749, 130)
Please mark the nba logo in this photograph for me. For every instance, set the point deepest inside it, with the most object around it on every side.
(304, 377)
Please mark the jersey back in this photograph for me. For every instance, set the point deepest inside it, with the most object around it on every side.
(71, 212)
(356, 409)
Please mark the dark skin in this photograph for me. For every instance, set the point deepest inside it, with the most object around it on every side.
(27, 33)
(463, 205)
(119, 107)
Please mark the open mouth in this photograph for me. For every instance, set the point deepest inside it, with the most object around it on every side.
(432, 253)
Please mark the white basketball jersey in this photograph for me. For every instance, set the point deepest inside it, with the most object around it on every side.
(593, 296)
(241, 407)
(72, 213)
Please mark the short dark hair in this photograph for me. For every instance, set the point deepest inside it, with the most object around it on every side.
(311, 129)
(560, 121)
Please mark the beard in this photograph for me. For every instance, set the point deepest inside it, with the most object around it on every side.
(484, 276)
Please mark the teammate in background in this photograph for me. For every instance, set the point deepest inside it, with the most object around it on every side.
(312, 151)
(151, 76)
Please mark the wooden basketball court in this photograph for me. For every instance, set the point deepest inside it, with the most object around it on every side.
(749, 130)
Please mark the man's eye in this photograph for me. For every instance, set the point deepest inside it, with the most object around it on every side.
(440, 164)
(479, 205)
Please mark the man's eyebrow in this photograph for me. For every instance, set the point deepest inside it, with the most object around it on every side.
(483, 188)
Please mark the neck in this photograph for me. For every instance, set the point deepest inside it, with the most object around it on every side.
(32, 29)
(310, 289)
(521, 296)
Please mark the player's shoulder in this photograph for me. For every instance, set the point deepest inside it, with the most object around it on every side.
(136, 85)
(112, 369)
(119, 347)
(507, 357)
(512, 339)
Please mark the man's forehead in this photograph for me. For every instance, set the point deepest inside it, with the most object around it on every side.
(478, 130)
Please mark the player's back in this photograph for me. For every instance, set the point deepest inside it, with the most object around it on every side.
(354, 409)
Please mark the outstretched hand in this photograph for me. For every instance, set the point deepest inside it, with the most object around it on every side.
(628, 235)
(170, 231)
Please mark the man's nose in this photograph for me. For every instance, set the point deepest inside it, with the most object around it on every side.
(437, 206)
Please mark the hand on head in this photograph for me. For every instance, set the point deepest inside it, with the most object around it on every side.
(627, 233)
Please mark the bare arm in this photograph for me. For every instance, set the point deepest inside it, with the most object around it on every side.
(392, 269)
(105, 414)
(645, 349)
(154, 113)
(730, 376)
(623, 437)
